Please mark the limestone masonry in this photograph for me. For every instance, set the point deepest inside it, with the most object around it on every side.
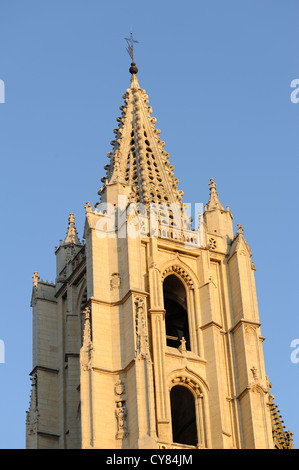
(150, 336)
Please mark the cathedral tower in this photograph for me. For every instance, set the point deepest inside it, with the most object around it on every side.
(150, 336)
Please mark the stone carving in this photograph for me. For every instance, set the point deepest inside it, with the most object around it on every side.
(187, 381)
(121, 418)
(70, 253)
(212, 243)
(181, 272)
(119, 387)
(32, 415)
(182, 347)
(142, 347)
(87, 347)
(254, 372)
(115, 280)
(88, 207)
(240, 229)
(121, 410)
(35, 278)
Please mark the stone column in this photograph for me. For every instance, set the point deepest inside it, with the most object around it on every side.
(157, 316)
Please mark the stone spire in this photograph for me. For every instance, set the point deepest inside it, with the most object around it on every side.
(138, 158)
(72, 235)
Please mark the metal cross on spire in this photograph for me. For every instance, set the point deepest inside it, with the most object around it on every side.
(130, 43)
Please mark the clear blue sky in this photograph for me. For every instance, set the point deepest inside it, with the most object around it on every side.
(218, 77)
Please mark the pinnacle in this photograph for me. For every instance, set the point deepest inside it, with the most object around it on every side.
(214, 202)
(72, 236)
(240, 229)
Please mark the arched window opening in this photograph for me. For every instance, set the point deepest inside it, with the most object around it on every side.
(176, 316)
(183, 416)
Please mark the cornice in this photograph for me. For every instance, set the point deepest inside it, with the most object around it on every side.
(114, 371)
(212, 323)
(243, 321)
(117, 302)
(44, 369)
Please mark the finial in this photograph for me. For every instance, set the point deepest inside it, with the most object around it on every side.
(130, 49)
(86, 312)
(214, 202)
(35, 278)
(212, 184)
(240, 229)
(88, 207)
(71, 219)
(133, 69)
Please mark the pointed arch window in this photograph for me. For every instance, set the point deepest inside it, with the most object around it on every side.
(176, 316)
(183, 416)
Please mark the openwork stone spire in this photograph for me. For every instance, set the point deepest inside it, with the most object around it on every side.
(138, 157)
